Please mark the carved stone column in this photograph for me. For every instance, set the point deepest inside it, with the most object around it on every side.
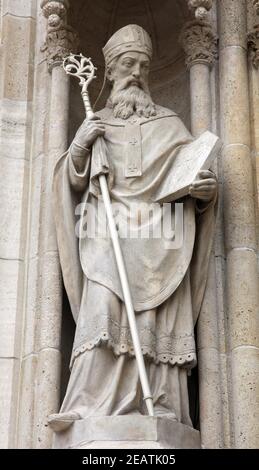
(200, 46)
(253, 44)
(60, 41)
(17, 65)
(199, 42)
(239, 216)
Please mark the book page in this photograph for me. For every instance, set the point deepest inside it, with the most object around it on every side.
(192, 158)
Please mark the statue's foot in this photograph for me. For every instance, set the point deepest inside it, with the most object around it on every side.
(61, 421)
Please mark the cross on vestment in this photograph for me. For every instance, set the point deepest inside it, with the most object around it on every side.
(133, 150)
(133, 141)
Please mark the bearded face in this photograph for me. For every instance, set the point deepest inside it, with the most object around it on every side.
(130, 93)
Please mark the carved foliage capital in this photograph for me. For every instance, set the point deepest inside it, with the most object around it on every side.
(200, 8)
(61, 39)
(253, 43)
(199, 43)
(60, 43)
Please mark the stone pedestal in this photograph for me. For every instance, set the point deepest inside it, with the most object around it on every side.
(127, 432)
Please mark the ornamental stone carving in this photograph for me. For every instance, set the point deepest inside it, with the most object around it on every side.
(253, 37)
(61, 39)
(55, 12)
(59, 43)
(200, 8)
(256, 6)
(253, 43)
(199, 43)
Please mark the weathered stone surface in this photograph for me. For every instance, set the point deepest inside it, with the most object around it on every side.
(11, 275)
(225, 399)
(254, 110)
(49, 289)
(32, 310)
(245, 404)
(239, 217)
(36, 201)
(128, 431)
(40, 144)
(208, 321)
(9, 370)
(13, 198)
(26, 409)
(21, 8)
(59, 108)
(15, 128)
(210, 399)
(242, 298)
(232, 21)
(46, 395)
(234, 96)
(200, 99)
(238, 198)
(19, 34)
(219, 248)
(220, 265)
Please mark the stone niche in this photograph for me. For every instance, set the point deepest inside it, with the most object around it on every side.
(96, 21)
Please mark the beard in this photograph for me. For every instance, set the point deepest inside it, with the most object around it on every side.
(127, 99)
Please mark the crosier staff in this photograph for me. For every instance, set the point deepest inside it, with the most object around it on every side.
(82, 68)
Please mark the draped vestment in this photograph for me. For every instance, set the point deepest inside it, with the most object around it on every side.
(167, 280)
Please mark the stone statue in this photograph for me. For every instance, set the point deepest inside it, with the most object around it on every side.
(142, 140)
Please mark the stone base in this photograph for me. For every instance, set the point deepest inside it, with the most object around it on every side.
(127, 432)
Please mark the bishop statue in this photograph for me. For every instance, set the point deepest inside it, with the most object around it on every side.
(167, 281)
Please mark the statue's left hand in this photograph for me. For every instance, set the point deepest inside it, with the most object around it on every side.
(205, 186)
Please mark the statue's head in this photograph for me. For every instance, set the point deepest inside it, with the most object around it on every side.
(127, 57)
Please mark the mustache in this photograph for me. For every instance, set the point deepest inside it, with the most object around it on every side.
(130, 81)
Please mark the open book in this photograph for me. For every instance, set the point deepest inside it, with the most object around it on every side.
(192, 158)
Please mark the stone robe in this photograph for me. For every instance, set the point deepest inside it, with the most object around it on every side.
(167, 284)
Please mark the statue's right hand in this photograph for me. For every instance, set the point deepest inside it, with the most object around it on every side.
(89, 131)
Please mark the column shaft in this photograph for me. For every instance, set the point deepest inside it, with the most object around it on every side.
(239, 216)
(49, 328)
(16, 90)
(59, 43)
(199, 43)
(200, 98)
(208, 346)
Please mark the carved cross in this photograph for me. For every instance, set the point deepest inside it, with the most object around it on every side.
(133, 141)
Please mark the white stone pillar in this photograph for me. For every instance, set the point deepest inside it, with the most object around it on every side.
(17, 40)
(239, 217)
(60, 41)
(38, 150)
(199, 42)
(200, 46)
(253, 42)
